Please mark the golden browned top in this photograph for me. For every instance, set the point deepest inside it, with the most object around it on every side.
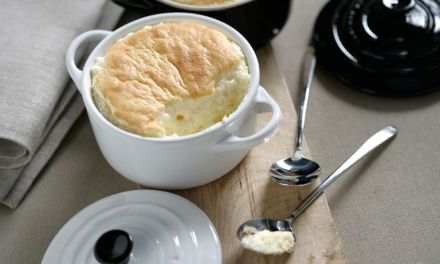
(158, 66)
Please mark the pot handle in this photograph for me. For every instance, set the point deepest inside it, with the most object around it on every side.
(264, 103)
(74, 72)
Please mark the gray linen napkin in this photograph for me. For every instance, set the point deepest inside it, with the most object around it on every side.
(38, 103)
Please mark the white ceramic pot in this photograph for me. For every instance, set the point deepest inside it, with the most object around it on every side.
(182, 162)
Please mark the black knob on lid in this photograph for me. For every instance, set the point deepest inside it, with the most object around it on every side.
(114, 247)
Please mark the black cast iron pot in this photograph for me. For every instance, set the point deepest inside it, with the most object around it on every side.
(257, 20)
(383, 47)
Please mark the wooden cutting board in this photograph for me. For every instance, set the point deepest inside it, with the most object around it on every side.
(246, 192)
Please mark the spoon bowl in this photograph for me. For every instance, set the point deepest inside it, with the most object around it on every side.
(293, 171)
(261, 224)
(297, 170)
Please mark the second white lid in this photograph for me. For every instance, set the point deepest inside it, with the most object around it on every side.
(164, 227)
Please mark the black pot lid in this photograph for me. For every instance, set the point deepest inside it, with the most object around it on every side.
(384, 47)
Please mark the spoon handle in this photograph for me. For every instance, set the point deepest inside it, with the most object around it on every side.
(373, 142)
(308, 68)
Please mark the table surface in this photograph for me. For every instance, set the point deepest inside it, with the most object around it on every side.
(387, 209)
(78, 175)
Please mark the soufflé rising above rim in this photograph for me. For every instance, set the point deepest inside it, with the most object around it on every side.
(170, 79)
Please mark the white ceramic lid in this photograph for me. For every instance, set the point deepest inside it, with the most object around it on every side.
(165, 228)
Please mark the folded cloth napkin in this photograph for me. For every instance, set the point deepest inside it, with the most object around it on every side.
(38, 103)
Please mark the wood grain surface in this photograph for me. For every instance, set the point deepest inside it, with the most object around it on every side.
(246, 192)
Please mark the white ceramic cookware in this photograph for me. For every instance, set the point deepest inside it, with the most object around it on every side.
(178, 162)
(164, 229)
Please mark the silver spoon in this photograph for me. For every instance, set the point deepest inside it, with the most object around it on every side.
(297, 170)
(373, 142)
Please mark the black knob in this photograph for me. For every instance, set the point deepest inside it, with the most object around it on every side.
(114, 247)
(398, 5)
